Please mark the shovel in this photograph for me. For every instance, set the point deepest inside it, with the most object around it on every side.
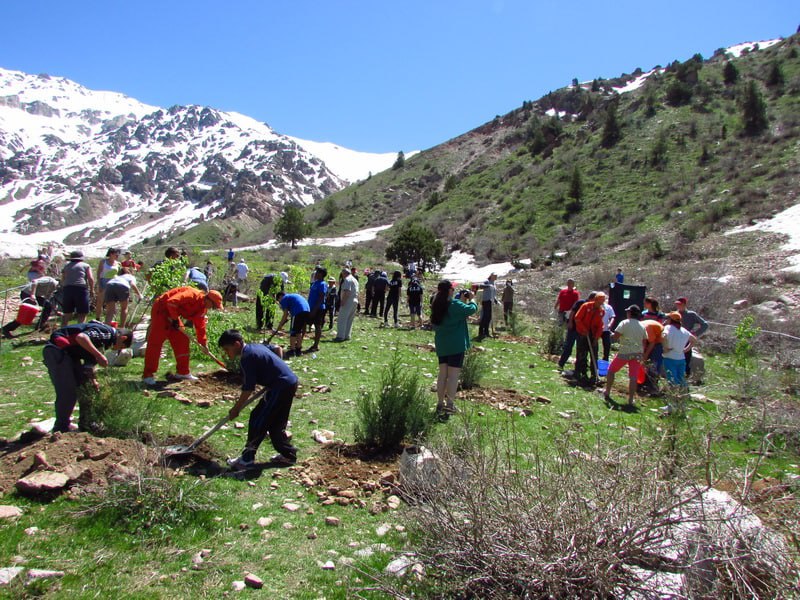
(183, 449)
(205, 350)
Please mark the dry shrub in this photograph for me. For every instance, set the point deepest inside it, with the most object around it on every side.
(573, 520)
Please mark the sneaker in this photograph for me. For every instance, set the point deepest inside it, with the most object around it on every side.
(280, 459)
(8, 335)
(187, 377)
(149, 380)
(240, 464)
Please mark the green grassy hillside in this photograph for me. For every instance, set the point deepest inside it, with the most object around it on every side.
(679, 166)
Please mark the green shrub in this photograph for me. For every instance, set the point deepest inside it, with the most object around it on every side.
(398, 410)
(475, 367)
(117, 409)
(554, 341)
(151, 502)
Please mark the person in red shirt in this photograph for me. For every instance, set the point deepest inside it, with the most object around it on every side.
(566, 298)
(589, 329)
(129, 263)
(166, 324)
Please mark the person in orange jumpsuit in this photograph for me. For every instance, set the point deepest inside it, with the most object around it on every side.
(166, 324)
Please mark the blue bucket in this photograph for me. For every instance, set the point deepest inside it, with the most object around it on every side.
(602, 368)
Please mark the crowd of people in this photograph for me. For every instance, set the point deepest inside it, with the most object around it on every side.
(650, 342)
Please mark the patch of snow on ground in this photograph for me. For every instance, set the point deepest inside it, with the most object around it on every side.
(552, 112)
(635, 84)
(736, 51)
(787, 223)
(462, 268)
(362, 235)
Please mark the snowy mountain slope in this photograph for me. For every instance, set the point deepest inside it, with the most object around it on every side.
(98, 168)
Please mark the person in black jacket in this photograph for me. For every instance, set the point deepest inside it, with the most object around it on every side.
(369, 289)
(265, 309)
(393, 297)
(70, 357)
(332, 301)
(379, 294)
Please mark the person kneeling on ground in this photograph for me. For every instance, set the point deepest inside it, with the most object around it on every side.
(631, 334)
(70, 357)
(261, 366)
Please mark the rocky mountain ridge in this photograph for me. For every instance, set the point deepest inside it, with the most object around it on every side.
(93, 169)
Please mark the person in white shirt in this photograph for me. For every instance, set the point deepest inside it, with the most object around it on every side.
(348, 304)
(677, 341)
(608, 322)
(118, 289)
(241, 274)
(631, 334)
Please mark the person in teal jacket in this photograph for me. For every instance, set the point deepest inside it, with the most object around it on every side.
(451, 337)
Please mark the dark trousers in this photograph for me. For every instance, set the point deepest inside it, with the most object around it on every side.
(508, 308)
(264, 314)
(331, 310)
(67, 376)
(378, 301)
(270, 417)
(569, 344)
(585, 356)
(368, 298)
(44, 315)
(486, 319)
(392, 302)
(606, 344)
(688, 356)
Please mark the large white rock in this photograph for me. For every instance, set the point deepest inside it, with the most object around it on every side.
(8, 574)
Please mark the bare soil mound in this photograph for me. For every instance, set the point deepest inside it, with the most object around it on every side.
(88, 462)
(349, 475)
(502, 399)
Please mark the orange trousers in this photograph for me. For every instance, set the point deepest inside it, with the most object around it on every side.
(161, 329)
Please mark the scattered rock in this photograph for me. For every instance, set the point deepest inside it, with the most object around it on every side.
(10, 512)
(8, 574)
(564, 415)
(291, 506)
(743, 303)
(34, 574)
(383, 530)
(543, 400)
(393, 502)
(167, 394)
(329, 565)
(42, 482)
(352, 494)
(332, 521)
(204, 403)
(321, 389)
(43, 427)
(399, 566)
(31, 531)
(238, 425)
(323, 436)
(185, 400)
(238, 586)
(265, 521)
(252, 581)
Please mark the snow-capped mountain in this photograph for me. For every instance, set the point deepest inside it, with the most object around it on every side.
(94, 169)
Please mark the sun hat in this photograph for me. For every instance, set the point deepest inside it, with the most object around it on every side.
(215, 297)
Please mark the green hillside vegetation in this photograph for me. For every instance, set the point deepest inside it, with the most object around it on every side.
(701, 146)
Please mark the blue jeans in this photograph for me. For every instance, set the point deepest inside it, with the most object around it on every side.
(676, 371)
(569, 343)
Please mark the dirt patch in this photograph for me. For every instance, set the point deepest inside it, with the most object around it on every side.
(502, 399)
(210, 388)
(89, 462)
(350, 475)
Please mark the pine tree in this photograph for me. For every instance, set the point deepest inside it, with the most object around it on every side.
(754, 110)
(418, 243)
(775, 78)
(400, 162)
(730, 74)
(611, 129)
(576, 184)
(291, 227)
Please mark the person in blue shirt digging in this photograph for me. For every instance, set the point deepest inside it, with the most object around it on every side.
(261, 366)
(296, 306)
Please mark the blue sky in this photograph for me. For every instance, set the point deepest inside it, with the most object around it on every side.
(369, 75)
